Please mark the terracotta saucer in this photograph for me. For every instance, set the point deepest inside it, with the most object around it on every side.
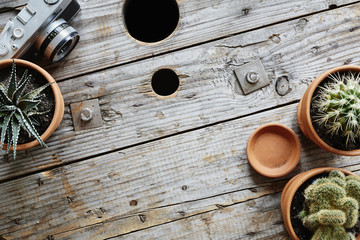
(273, 150)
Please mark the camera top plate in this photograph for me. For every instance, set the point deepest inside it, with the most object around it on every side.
(20, 33)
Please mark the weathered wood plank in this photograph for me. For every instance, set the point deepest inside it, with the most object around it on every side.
(255, 219)
(105, 41)
(223, 204)
(200, 168)
(295, 52)
(11, 4)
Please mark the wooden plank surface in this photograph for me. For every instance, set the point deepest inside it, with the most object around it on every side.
(6, 5)
(175, 167)
(194, 173)
(258, 218)
(293, 52)
(105, 42)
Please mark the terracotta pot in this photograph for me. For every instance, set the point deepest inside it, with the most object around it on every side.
(290, 189)
(303, 113)
(273, 150)
(59, 101)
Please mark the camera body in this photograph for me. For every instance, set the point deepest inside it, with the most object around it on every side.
(41, 24)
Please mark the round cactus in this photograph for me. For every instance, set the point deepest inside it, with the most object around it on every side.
(338, 106)
(332, 206)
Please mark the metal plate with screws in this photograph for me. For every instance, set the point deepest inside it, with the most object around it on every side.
(252, 76)
(86, 115)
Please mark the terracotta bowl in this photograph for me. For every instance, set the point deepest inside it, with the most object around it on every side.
(273, 150)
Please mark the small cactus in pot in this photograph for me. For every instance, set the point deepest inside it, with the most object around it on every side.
(328, 112)
(18, 108)
(332, 206)
(338, 106)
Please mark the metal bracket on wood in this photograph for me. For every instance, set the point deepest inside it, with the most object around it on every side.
(86, 115)
(252, 76)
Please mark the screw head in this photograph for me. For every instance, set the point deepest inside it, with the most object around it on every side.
(86, 114)
(252, 77)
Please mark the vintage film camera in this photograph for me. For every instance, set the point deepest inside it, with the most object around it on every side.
(41, 24)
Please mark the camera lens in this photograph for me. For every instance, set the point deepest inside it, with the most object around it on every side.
(65, 49)
(57, 40)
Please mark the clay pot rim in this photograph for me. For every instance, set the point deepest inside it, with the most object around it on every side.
(58, 98)
(295, 183)
(290, 164)
(310, 94)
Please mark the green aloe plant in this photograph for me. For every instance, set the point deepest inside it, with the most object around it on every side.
(338, 104)
(332, 206)
(18, 109)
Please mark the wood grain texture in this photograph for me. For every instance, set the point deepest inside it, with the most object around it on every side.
(254, 219)
(6, 5)
(105, 42)
(194, 173)
(175, 165)
(293, 52)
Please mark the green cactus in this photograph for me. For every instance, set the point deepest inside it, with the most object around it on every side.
(330, 232)
(332, 206)
(18, 108)
(338, 104)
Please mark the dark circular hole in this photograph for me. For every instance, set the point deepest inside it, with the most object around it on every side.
(165, 82)
(150, 20)
(133, 203)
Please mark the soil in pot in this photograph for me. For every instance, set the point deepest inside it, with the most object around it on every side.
(297, 205)
(47, 101)
(335, 141)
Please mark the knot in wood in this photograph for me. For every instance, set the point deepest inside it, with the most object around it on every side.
(283, 86)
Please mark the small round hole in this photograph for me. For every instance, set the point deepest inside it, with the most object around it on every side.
(151, 20)
(165, 82)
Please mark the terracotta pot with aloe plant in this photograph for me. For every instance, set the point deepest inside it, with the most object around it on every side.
(329, 111)
(31, 105)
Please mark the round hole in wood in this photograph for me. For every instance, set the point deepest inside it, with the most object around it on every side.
(133, 203)
(165, 82)
(151, 21)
